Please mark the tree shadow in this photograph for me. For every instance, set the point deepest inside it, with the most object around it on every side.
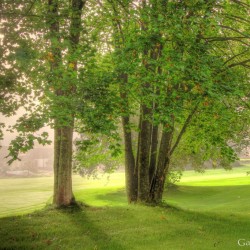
(65, 228)
(90, 227)
(87, 227)
(114, 198)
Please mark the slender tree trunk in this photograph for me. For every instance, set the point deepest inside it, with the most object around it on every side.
(144, 142)
(154, 150)
(145, 124)
(158, 183)
(155, 54)
(130, 173)
(130, 165)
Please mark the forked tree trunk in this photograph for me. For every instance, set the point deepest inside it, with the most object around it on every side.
(146, 176)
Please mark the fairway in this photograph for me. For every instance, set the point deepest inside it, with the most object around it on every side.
(204, 211)
(21, 195)
(215, 190)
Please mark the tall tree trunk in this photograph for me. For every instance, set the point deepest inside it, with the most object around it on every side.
(144, 146)
(154, 150)
(63, 133)
(130, 173)
(145, 124)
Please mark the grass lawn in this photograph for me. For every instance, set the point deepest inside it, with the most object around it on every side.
(205, 211)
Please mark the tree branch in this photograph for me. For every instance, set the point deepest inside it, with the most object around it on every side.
(183, 130)
(235, 30)
(222, 39)
(243, 63)
(241, 3)
(236, 18)
(231, 58)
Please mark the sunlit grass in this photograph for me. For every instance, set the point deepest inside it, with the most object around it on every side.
(19, 196)
(22, 195)
(207, 211)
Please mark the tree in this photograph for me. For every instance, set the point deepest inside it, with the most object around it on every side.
(172, 77)
(166, 68)
(46, 40)
(64, 125)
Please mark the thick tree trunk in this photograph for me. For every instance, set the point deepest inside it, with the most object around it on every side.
(63, 195)
(63, 137)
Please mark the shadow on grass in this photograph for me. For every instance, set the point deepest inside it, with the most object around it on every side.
(132, 227)
(67, 228)
(114, 198)
(89, 228)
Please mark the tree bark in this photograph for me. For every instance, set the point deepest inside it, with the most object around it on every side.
(130, 173)
(63, 195)
(63, 133)
(154, 150)
(158, 181)
(144, 142)
(145, 124)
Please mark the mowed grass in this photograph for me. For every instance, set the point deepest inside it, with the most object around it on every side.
(21, 195)
(220, 191)
(204, 211)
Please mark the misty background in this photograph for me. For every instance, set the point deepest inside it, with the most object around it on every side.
(38, 161)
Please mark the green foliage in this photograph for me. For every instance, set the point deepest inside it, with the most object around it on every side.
(24, 142)
(176, 55)
(176, 58)
(95, 153)
(173, 177)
